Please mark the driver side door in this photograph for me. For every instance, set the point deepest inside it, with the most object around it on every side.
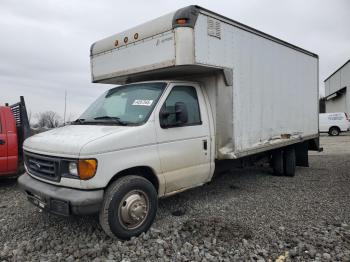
(184, 148)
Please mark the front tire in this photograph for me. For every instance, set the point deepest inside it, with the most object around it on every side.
(129, 207)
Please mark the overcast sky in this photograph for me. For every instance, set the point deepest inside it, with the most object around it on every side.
(44, 44)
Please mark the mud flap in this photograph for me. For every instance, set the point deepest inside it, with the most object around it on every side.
(314, 144)
(301, 154)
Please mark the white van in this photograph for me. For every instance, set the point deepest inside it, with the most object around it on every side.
(198, 90)
(334, 123)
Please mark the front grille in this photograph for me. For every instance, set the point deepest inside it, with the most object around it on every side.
(42, 166)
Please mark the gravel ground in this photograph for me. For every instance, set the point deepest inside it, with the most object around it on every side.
(243, 215)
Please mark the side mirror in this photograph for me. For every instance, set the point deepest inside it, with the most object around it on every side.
(163, 117)
(181, 113)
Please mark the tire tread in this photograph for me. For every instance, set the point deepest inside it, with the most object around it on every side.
(109, 194)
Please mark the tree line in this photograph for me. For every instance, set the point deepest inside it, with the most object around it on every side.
(47, 120)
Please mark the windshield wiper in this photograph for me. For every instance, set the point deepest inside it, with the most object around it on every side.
(79, 121)
(100, 119)
(112, 119)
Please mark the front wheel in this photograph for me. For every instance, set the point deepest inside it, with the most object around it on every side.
(129, 207)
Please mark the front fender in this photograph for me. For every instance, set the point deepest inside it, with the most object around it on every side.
(112, 163)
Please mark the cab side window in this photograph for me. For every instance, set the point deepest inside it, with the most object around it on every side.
(187, 96)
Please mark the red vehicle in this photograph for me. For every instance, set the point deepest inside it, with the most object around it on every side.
(14, 129)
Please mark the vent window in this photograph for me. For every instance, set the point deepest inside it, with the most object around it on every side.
(214, 27)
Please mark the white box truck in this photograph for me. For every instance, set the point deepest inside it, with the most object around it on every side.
(197, 90)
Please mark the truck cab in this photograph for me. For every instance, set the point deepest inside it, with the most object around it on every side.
(14, 128)
(158, 133)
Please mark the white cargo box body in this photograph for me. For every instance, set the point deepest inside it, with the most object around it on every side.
(263, 91)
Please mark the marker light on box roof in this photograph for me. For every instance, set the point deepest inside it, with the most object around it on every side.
(181, 21)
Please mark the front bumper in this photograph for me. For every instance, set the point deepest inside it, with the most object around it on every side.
(60, 200)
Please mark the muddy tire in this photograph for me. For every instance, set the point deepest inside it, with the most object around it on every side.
(129, 207)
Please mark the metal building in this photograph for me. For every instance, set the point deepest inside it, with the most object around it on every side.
(337, 91)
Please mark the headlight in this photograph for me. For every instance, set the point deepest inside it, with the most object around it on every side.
(73, 168)
(83, 169)
(87, 168)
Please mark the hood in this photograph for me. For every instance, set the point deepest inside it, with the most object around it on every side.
(68, 140)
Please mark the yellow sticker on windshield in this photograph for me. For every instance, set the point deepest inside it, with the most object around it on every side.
(141, 102)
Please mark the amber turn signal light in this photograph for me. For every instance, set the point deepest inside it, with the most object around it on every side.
(87, 168)
(181, 21)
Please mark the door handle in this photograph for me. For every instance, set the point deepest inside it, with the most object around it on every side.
(205, 144)
(2, 142)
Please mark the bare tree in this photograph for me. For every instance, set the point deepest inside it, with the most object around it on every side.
(48, 119)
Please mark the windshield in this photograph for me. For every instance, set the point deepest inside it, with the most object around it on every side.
(124, 105)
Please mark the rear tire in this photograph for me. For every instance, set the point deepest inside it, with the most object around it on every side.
(334, 131)
(277, 163)
(129, 207)
(289, 161)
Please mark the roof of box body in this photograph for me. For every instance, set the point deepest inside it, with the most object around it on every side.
(168, 22)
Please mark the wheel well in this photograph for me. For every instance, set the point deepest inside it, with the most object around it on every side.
(143, 171)
(334, 127)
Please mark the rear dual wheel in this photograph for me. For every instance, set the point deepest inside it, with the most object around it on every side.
(284, 162)
(289, 161)
(277, 162)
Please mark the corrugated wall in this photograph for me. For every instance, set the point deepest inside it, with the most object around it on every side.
(341, 79)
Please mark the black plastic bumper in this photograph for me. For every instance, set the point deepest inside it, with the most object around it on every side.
(60, 200)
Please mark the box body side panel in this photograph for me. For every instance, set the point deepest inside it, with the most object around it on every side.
(274, 92)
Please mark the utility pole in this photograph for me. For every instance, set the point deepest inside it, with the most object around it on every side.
(65, 107)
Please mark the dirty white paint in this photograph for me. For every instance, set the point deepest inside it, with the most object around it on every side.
(275, 88)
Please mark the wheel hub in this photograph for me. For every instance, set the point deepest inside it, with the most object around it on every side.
(133, 209)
